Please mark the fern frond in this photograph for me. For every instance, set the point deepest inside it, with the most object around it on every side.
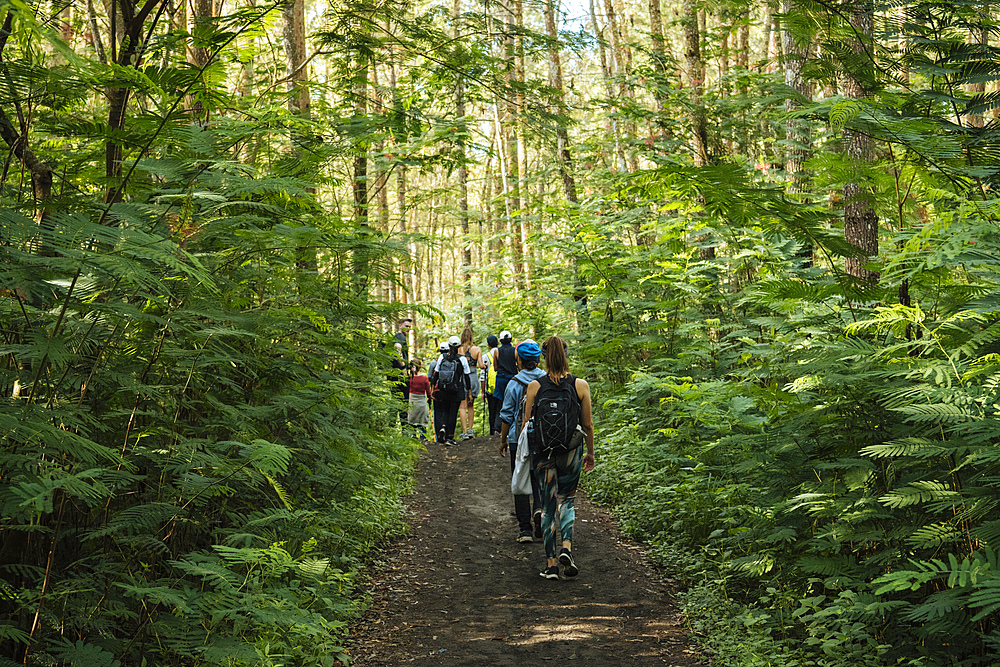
(918, 492)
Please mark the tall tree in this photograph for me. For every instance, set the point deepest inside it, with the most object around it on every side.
(463, 170)
(860, 219)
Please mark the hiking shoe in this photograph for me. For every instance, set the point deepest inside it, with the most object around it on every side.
(450, 443)
(551, 572)
(525, 537)
(569, 565)
(536, 521)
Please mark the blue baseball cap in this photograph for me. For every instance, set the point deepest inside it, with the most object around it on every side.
(528, 349)
(492, 341)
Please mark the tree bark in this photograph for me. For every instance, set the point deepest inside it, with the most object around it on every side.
(513, 187)
(797, 138)
(360, 182)
(860, 220)
(463, 174)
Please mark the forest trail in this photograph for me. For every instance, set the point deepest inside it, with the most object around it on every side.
(459, 590)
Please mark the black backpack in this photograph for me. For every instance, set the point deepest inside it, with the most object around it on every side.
(555, 417)
(450, 376)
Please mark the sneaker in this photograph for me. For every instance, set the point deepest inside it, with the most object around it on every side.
(450, 443)
(551, 572)
(465, 436)
(536, 521)
(569, 565)
(525, 537)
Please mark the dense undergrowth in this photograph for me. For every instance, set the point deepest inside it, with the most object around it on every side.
(822, 474)
(193, 424)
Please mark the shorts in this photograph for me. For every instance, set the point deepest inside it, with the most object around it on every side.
(474, 384)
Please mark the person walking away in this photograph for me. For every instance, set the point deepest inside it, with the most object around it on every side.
(506, 369)
(555, 403)
(438, 412)
(419, 416)
(492, 402)
(474, 358)
(451, 388)
(511, 414)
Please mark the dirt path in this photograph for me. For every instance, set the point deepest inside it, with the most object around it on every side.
(459, 590)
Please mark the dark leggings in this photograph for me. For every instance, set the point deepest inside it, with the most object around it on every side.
(445, 416)
(493, 404)
(522, 504)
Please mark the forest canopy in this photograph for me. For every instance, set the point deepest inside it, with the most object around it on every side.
(768, 231)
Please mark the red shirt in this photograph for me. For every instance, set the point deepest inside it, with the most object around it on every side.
(419, 384)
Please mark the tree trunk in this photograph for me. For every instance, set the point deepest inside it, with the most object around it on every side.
(513, 186)
(860, 220)
(126, 56)
(198, 14)
(659, 52)
(463, 174)
(695, 70)
(797, 139)
(360, 182)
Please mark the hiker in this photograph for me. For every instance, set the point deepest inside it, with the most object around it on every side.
(506, 368)
(555, 404)
(526, 359)
(474, 359)
(489, 384)
(399, 377)
(402, 344)
(438, 413)
(419, 416)
(451, 388)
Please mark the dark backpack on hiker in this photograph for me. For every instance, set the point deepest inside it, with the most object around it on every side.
(450, 378)
(555, 417)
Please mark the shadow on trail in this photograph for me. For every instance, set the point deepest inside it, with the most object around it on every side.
(459, 590)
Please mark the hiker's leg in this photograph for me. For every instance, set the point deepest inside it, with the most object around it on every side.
(522, 503)
(547, 481)
(568, 466)
(462, 415)
(451, 405)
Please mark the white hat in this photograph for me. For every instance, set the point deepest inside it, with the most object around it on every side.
(454, 341)
(443, 347)
(505, 335)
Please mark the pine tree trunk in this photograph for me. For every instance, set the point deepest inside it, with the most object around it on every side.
(360, 184)
(463, 176)
(513, 186)
(659, 52)
(860, 220)
(797, 139)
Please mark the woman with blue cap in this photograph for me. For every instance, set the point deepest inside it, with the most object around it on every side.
(527, 354)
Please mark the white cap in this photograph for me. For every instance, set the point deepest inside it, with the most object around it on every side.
(505, 335)
(454, 341)
(443, 347)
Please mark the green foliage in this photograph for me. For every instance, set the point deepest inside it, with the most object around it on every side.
(196, 457)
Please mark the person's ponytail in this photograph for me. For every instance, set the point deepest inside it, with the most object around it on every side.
(556, 361)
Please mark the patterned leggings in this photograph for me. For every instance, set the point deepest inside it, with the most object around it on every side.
(558, 476)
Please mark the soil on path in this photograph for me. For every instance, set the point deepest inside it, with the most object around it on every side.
(459, 590)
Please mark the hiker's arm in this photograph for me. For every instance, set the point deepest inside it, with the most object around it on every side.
(587, 422)
(506, 418)
(529, 402)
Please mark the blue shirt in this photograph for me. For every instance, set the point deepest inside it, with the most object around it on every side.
(510, 413)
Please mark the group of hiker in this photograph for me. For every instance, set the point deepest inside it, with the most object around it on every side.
(543, 418)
